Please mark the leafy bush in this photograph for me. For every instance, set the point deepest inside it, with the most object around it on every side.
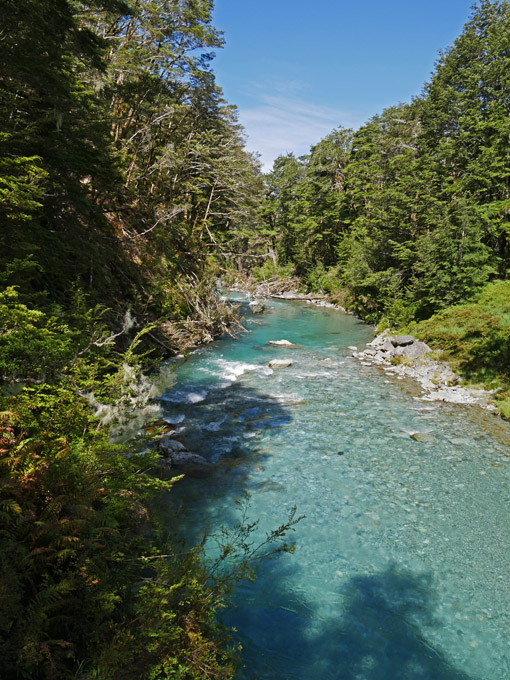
(76, 528)
(269, 270)
(323, 279)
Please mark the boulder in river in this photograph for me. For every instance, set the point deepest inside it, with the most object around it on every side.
(257, 306)
(280, 363)
(164, 464)
(168, 446)
(185, 462)
(191, 464)
(281, 343)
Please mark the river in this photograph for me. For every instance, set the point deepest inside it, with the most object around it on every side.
(401, 568)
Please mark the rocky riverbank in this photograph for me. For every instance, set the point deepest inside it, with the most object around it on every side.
(400, 356)
(282, 289)
(403, 356)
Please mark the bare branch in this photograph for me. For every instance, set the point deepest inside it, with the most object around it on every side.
(152, 122)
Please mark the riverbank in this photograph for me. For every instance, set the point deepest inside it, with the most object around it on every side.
(403, 359)
(284, 289)
(404, 356)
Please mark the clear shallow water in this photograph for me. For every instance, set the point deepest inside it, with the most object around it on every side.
(401, 566)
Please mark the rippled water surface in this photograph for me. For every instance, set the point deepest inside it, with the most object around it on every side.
(401, 568)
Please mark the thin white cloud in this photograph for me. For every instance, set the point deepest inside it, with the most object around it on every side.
(280, 125)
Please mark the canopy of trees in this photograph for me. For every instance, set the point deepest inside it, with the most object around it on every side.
(411, 213)
(121, 168)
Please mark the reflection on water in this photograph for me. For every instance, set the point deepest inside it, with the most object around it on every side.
(401, 566)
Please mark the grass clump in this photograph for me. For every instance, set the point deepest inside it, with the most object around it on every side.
(475, 339)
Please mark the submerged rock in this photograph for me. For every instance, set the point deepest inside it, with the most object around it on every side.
(188, 459)
(423, 437)
(164, 464)
(331, 305)
(185, 462)
(280, 363)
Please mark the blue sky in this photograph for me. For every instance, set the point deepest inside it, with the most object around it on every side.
(298, 68)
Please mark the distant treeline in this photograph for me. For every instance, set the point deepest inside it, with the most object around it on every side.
(411, 213)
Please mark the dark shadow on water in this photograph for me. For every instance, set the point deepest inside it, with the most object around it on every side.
(378, 633)
(224, 418)
(225, 428)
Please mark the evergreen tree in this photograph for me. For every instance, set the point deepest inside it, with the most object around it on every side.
(385, 214)
(282, 207)
(453, 261)
(466, 122)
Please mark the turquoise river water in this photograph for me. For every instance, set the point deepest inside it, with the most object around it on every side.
(401, 568)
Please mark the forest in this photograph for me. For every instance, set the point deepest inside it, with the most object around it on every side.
(126, 193)
(407, 220)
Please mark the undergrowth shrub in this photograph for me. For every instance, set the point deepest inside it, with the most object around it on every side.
(475, 338)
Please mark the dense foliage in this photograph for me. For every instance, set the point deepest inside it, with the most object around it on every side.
(122, 180)
(410, 214)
